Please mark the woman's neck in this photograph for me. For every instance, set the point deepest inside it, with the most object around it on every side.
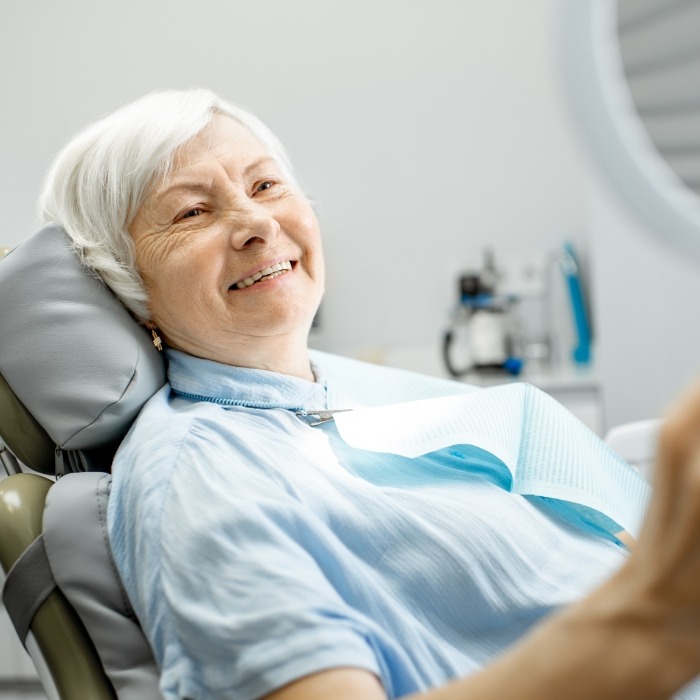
(294, 365)
(276, 354)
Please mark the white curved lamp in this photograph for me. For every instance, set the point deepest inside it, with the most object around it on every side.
(633, 72)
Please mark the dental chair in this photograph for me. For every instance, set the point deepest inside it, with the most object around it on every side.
(75, 370)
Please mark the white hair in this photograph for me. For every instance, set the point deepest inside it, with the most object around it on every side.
(99, 180)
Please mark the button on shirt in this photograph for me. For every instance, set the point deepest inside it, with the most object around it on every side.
(257, 549)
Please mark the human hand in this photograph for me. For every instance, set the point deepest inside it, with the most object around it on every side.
(662, 575)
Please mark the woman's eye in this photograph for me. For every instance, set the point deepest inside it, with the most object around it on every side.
(265, 185)
(192, 212)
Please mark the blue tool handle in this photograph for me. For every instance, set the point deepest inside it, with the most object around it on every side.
(582, 351)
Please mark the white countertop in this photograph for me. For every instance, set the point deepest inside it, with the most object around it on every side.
(551, 377)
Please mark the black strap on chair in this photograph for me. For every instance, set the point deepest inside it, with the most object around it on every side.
(98, 459)
(28, 584)
(69, 461)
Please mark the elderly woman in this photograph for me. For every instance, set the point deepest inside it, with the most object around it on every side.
(266, 557)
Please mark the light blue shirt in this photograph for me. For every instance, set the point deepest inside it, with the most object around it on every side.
(257, 549)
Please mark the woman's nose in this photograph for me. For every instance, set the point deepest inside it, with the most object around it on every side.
(255, 225)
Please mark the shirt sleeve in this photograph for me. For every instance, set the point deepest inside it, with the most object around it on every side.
(243, 603)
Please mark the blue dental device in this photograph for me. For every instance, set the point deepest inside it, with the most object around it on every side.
(581, 353)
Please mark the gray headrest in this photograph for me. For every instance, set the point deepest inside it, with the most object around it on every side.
(69, 350)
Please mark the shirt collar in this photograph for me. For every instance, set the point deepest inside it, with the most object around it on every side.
(207, 380)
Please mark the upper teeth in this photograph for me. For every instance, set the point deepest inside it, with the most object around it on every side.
(272, 271)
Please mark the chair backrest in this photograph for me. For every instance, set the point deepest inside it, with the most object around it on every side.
(75, 369)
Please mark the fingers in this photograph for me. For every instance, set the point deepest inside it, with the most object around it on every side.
(660, 577)
(677, 470)
(680, 435)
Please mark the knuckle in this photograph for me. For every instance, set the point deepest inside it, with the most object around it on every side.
(672, 436)
(692, 480)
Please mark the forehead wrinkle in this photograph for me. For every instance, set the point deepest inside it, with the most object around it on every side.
(264, 160)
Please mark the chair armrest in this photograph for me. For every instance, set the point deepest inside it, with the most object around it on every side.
(636, 443)
(65, 648)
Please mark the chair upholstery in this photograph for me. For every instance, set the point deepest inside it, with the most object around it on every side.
(75, 369)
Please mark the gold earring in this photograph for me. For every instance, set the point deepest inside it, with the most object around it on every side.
(156, 340)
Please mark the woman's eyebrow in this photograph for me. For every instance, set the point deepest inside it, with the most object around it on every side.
(181, 187)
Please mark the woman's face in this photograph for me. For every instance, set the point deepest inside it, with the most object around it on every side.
(228, 248)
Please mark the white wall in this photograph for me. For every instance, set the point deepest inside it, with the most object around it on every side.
(425, 131)
(645, 297)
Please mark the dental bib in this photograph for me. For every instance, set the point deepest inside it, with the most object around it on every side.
(548, 451)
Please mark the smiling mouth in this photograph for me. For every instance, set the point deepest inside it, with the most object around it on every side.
(268, 273)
